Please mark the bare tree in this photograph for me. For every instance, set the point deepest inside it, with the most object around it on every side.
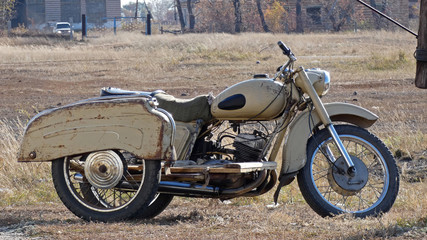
(180, 15)
(299, 27)
(215, 16)
(161, 8)
(237, 16)
(191, 18)
(261, 16)
(384, 10)
(339, 12)
(375, 16)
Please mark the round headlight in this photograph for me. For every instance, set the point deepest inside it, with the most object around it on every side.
(326, 83)
(320, 80)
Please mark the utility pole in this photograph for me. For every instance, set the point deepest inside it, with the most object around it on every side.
(421, 52)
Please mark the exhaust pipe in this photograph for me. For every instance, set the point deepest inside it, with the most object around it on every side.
(198, 190)
(188, 189)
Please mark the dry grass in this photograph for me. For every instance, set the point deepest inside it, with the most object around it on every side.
(20, 183)
(371, 69)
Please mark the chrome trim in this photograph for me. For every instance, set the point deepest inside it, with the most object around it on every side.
(340, 146)
(172, 123)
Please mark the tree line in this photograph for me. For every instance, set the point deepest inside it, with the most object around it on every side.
(234, 16)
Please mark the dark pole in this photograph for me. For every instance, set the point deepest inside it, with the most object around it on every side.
(83, 26)
(421, 52)
(148, 23)
(136, 10)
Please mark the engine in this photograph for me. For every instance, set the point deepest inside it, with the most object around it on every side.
(248, 143)
(234, 143)
(248, 147)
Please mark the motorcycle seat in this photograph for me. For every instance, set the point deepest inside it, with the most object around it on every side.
(186, 110)
(183, 110)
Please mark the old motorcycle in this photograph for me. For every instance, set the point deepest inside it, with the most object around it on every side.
(127, 154)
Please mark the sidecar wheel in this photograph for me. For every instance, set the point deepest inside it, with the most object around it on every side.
(103, 199)
(330, 192)
(157, 206)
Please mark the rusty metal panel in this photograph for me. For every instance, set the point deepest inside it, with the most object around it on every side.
(130, 124)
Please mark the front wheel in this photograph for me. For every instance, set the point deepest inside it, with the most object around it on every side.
(104, 186)
(330, 191)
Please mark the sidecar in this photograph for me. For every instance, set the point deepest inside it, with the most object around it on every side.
(126, 123)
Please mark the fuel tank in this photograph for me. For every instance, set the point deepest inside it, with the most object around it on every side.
(255, 99)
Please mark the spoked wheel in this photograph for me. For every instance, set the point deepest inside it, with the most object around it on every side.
(157, 206)
(103, 186)
(330, 191)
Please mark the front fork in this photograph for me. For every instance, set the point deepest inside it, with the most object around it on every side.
(304, 83)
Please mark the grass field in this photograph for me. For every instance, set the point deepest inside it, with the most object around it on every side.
(372, 69)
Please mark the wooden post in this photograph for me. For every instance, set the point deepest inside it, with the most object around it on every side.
(421, 75)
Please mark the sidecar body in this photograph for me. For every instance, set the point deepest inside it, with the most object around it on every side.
(129, 123)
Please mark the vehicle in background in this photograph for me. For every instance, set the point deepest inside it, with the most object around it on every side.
(62, 28)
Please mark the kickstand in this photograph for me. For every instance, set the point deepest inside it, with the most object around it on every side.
(284, 180)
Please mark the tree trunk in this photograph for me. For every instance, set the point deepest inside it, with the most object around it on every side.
(375, 15)
(238, 16)
(384, 10)
(261, 16)
(421, 75)
(180, 15)
(191, 18)
(300, 27)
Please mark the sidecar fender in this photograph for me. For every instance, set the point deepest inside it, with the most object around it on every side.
(124, 123)
(294, 150)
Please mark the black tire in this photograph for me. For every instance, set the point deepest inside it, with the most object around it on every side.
(123, 201)
(157, 206)
(323, 187)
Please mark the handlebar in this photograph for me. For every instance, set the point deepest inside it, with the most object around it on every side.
(284, 48)
(289, 54)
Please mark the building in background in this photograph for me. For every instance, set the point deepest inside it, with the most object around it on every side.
(39, 14)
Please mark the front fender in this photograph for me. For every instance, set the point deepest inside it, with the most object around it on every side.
(294, 149)
(130, 124)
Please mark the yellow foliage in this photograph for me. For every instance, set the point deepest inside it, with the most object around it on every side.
(275, 15)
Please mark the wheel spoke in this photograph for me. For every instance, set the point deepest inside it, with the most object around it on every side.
(340, 195)
(321, 176)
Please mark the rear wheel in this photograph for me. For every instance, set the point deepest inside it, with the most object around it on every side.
(330, 191)
(103, 186)
(157, 206)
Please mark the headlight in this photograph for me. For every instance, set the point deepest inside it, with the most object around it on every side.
(320, 80)
(326, 82)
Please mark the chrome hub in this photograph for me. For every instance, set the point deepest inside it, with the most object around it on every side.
(103, 169)
(345, 184)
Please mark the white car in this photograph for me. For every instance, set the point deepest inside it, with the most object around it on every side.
(62, 28)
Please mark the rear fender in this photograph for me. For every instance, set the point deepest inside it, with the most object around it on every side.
(127, 123)
(294, 149)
